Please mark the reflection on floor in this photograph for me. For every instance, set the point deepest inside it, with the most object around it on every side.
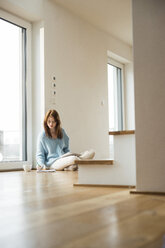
(46, 210)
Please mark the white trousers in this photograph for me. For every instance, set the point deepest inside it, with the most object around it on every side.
(68, 160)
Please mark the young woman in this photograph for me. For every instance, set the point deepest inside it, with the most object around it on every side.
(53, 146)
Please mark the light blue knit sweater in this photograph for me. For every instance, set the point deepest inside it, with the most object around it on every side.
(48, 149)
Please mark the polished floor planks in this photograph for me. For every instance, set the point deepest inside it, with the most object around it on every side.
(46, 210)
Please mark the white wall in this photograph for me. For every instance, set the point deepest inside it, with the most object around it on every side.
(76, 53)
(38, 84)
(31, 10)
(149, 63)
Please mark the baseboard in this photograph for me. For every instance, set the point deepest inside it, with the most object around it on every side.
(105, 185)
(10, 170)
(146, 192)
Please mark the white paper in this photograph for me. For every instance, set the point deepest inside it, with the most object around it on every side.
(52, 170)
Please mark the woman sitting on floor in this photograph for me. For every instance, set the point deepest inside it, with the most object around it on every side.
(53, 146)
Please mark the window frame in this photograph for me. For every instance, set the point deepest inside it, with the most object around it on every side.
(119, 65)
(14, 165)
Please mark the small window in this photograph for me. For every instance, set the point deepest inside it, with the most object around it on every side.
(115, 96)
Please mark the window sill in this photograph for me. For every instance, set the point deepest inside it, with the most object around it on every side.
(124, 132)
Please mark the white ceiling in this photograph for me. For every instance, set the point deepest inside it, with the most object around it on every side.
(111, 16)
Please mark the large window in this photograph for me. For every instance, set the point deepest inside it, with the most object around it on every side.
(115, 96)
(13, 91)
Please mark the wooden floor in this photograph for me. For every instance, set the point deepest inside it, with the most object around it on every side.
(46, 210)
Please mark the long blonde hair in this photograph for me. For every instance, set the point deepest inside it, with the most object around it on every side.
(58, 130)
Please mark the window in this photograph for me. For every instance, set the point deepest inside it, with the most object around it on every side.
(115, 100)
(14, 92)
(115, 96)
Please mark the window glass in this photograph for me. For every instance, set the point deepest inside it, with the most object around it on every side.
(12, 92)
(115, 97)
